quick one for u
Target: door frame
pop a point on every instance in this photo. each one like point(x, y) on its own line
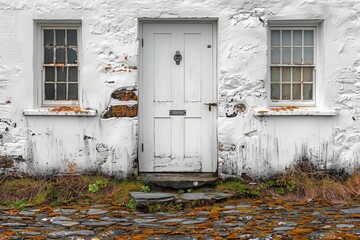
point(214, 22)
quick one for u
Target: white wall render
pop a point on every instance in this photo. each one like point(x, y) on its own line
point(252, 137)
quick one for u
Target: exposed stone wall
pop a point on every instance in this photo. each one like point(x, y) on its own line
point(109, 62)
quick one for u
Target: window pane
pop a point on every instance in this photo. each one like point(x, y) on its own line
point(60, 37)
point(275, 74)
point(48, 38)
point(72, 55)
point(275, 55)
point(297, 35)
point(49, 92)
point(71, 37)
point(308, 55)
point(286, 74)
point(309, 38)
point(275, 91)
point(275, 38)
point(286, 92)
point(286, 55)
point(73, 91)
point(60, 55)
point(296, 74)
point(49, 74)
point(308, 74)
point(296, 91)
point(297, 55)
point(61, 74)
point(286, 38)
point(73, 74)
point(48, 55)
point(61, 91)
point(308, 89)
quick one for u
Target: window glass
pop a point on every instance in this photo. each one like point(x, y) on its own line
point(308, 74)
point(275, 55)
point(286, 38)
point(292, 64)
point(297, 38)
point(286, 74)
point(275, 38)
point(61, 91)
point(286, 92)
point(297, 55)
point(296, 74)
point(48, 38)
point(60, 64)
point(275, 74)
point(275, 91)
point(309, 38)
point(60, 37)
point(309, 55)
point(308, 90)
point(71, 37)
point(297, 91)
point(49, 74)
point(286, 55)
point(49, 91)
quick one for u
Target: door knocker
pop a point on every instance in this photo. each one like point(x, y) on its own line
point(177, 57)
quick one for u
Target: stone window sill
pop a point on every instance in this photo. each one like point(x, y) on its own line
point(293, 111)
point(61, 111)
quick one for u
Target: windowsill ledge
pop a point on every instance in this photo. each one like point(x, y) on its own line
point(61, 111)
point(293, 111)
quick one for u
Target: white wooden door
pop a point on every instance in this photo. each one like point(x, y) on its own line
point(183, 140)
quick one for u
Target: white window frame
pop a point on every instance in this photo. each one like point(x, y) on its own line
point(39, 75)
point(296, 25)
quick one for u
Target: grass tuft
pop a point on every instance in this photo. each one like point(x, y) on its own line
point(71, 189)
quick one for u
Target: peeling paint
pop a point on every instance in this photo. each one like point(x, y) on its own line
point(125, 94)
point(248, 144)
point(121, 111)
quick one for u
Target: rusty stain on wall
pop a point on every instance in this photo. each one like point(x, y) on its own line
point(121, 111)
point(125, 94)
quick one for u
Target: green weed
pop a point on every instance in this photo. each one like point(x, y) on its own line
point(145, 188)
point(20, 205)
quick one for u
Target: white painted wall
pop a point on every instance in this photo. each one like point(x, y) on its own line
point(258, 146)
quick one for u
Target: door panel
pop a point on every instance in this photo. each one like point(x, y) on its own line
point(181, 143)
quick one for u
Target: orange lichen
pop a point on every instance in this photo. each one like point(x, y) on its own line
point(139, 237)
point(233, 236)
point(148, 231)
point(191, 214)
point(13, 211)
point(46, 209)
point(288, 108)
point(297, 231)
point(172, 224)
point(67, 109)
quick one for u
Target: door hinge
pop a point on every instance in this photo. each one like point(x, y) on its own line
point(142, 147)
point(142, 42)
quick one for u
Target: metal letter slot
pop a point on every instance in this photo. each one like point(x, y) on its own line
point(177, 112)
point(177, 57)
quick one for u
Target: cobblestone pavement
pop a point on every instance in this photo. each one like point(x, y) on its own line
point(235, 219)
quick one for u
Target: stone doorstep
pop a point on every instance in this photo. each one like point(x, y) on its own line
point(179, 180)
point(142, 198)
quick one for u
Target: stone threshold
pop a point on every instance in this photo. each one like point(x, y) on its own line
point(179, 180)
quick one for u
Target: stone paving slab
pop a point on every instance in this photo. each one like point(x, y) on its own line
point(238, 219)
